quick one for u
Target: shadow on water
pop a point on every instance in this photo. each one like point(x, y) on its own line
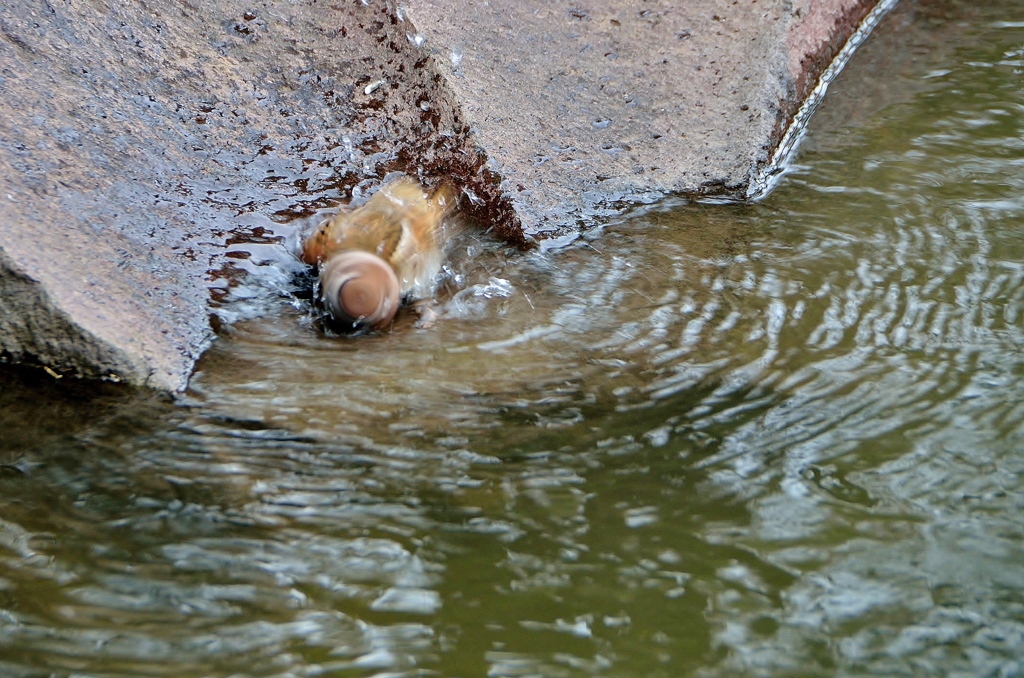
point(769, 439)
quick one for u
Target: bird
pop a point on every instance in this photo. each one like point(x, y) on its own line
point(388, 251)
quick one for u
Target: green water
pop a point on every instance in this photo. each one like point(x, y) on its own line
point(781, 439)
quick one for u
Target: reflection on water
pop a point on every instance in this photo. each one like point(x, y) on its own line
point(773, 439)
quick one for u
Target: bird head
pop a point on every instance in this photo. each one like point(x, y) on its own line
point(359, 289)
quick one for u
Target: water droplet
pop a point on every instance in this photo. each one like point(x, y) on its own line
point(495, 287)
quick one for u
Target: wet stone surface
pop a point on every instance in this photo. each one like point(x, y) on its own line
point(139, 143)
point(149, 153)
point(586, 108)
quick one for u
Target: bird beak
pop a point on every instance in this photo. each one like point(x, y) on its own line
point(359, 289)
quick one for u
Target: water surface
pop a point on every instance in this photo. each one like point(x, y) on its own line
point(714, 440)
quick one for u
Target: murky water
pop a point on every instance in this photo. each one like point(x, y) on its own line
point(713, 440)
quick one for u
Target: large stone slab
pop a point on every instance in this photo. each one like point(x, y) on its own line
point(141, 142)
point(584, 106)
point(148, 149)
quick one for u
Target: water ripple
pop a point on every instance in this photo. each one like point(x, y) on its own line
point(726, 440)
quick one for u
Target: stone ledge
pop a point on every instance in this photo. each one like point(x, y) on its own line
point(142, 147)
point(586, 107)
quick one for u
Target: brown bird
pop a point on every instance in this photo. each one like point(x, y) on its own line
point(377, 255)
